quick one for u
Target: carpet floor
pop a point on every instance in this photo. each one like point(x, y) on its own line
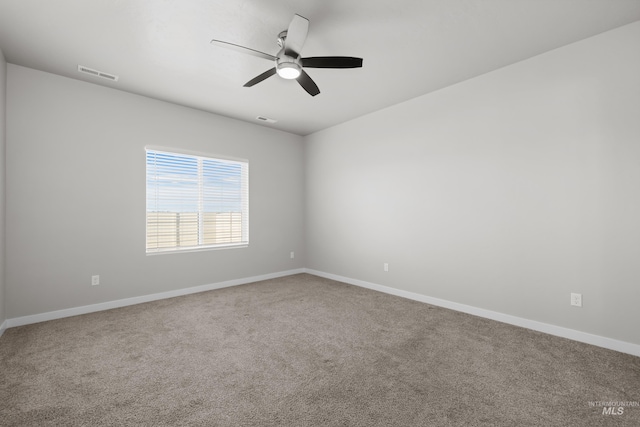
point(305, 351)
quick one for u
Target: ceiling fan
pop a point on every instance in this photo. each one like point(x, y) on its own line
point(289, 65)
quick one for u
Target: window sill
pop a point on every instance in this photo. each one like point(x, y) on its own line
point(198, 249)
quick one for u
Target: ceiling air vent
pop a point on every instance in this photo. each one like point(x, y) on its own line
point(97, 73)
point(265, 119)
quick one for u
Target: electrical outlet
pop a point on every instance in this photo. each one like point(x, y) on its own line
point(576, 299)
point(293, 255)
point(95, 280)
point(385, 266)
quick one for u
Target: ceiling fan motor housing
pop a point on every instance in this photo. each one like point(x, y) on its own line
point(287, 66)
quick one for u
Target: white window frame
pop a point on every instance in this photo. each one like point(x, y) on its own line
point(202, 197)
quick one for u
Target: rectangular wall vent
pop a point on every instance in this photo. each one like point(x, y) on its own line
point(265, 119)
point(97, 73)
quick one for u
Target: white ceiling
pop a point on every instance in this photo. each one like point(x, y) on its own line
point(161, 49)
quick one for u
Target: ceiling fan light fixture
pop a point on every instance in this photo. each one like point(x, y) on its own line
point(288, 70)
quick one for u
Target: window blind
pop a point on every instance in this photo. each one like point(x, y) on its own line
point(195, 202)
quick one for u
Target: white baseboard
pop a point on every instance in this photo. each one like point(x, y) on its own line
point(59, 314)
point(612, 344)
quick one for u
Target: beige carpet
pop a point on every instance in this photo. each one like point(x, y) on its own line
point(304, 351)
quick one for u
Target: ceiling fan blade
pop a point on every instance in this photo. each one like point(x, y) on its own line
point(296, 35)
point(260, 78)
point(332, 62)
point(308, 84)
point(243, 49)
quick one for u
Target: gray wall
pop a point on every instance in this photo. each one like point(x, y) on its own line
point(3, 127)
point(76, 194)
point(506, 192)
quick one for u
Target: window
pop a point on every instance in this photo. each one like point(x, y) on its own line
point(195, 202)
